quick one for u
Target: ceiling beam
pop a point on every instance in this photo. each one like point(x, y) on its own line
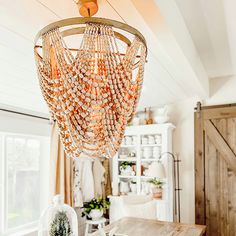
point(166, 22)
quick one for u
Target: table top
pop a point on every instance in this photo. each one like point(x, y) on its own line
point(143, 227)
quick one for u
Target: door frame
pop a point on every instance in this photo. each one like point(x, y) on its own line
point(202, 125)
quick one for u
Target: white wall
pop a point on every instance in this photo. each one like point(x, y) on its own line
point(222, 91)
point(182, 115)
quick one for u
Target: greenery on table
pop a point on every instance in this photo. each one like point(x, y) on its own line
point(95, 204)
point(158, 183)
point(60, 225)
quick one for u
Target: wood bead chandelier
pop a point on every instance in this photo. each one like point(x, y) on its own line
point(92, 91)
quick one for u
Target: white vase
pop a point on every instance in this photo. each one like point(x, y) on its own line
point(96, 214)
point(161, 119)
point(133, 188)
point(127, 171)
point(124, 187)
point(162, 115)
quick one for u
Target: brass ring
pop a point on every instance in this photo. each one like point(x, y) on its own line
point(84, 20)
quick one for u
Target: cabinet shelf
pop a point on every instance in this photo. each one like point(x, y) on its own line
point(127, 176)
point(128, 146)
point(151, 145)
point(128, 159)
point(149, 159)
point(146, 177)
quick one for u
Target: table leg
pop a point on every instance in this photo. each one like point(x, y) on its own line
point(86, 230)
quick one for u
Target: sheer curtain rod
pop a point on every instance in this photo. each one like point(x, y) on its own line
point(24, 114)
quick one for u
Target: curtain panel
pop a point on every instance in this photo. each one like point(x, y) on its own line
point(61, 169)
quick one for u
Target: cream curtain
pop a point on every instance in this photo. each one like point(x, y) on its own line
point(62, 171)
point(107, 191)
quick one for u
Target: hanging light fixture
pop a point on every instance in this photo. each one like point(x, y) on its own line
point(92, 91)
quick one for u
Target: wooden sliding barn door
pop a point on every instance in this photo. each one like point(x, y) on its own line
point(215, 169)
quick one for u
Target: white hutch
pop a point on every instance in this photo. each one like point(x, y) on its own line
point(141, 146)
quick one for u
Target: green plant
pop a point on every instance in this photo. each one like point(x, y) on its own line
point(125, 164)
point(96, 203)
point(60, 225)
point(158, 183)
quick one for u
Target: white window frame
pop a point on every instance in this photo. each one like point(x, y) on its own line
point(32, 226)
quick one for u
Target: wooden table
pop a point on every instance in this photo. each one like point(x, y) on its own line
point(143, 227)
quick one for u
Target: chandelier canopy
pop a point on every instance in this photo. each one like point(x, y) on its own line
point(92, 91)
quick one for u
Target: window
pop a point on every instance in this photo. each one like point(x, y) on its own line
point(24, 163)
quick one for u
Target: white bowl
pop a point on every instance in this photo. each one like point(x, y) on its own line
point(96, 214)
point(161, 119)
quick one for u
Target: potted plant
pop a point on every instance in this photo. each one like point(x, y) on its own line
point(157, 188)
point(126, 168)
point(94, 209)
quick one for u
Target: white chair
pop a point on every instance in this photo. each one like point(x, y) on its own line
point(89, 225)
point(133, 206)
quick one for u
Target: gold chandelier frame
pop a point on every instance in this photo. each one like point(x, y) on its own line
point(85, 20)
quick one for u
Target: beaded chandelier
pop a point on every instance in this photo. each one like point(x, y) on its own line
point(92, 91)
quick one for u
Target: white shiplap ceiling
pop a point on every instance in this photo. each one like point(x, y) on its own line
point(207, 24)
point(177, 68)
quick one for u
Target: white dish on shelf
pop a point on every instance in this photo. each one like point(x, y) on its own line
point(158, 139)
point(161, 119)
point(144, 140)
point(151, 139)
point(147, 152)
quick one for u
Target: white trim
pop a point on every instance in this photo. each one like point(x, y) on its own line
point(2, 183)
point(21, 231)
point(5, 189)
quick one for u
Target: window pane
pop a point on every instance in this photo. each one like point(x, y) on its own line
point(23, 180)
point(1, 184)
